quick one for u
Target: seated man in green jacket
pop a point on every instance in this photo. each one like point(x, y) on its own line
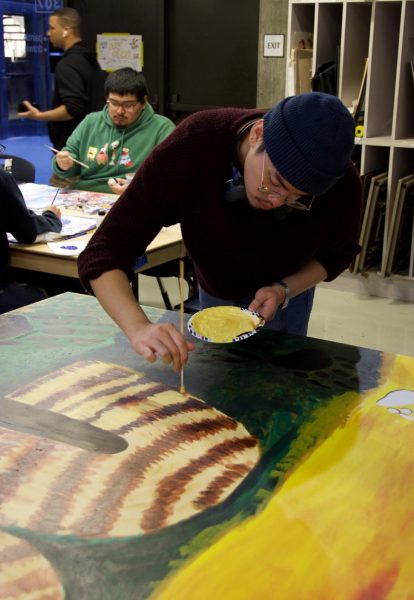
point(114, 142)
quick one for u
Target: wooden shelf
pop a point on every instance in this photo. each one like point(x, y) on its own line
point(380, 32)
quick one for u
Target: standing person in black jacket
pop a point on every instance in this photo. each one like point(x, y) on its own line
point(25, 226)
point(78, 80)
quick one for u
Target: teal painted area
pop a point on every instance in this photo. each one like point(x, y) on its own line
point(51, 334)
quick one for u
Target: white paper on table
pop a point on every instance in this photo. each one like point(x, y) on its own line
point(67, 247)
point(76, 226)
point(39, 196)
point(71, 226)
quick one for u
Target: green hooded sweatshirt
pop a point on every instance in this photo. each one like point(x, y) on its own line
point(110, 151)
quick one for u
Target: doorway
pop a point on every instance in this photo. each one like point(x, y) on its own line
point(24, 66)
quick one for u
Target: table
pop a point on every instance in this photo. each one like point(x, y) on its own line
point(284, 472)
point(39, 257)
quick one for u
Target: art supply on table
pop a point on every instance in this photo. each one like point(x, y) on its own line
point(89, 202)
point(100, 217)
point(55, 196)
point(75, 160)
point(68, 248)
point(181, 281)
point(225, 324)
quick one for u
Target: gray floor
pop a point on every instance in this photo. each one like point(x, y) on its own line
point(368, 321)
point(340, 316)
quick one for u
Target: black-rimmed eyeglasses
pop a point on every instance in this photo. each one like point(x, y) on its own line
point(298, 202)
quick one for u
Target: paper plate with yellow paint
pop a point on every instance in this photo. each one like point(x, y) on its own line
point(225, 324)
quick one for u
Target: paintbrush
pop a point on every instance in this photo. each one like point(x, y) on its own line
point(54, 197)
point(181, 279)
point(75, 160)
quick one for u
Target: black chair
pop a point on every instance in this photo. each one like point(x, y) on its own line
point(172, 269)
point(22, 170)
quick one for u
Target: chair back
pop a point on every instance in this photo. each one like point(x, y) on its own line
point(22, 170)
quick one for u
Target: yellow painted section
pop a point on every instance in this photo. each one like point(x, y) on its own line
point(340, 528)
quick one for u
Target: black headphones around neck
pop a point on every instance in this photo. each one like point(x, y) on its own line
point(234, 189)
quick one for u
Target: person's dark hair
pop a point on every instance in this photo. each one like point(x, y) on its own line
point(69, 17)
point(126, 81)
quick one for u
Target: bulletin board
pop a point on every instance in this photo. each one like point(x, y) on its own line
point(118, 50)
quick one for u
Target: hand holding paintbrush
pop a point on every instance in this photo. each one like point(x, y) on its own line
point(65, 160)
point(54, 209)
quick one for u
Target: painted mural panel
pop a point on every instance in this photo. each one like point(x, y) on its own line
point(283, 472)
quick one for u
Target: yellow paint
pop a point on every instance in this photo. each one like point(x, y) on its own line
point(341, 527)
point(224, 323)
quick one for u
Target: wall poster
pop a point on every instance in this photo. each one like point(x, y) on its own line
point(118, 50)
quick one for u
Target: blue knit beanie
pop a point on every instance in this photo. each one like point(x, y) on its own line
point(309, 139)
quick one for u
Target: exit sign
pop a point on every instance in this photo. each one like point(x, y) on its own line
point(273, 45)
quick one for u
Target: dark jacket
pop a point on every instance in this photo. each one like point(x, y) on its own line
point(18, 220)
point(79, 83)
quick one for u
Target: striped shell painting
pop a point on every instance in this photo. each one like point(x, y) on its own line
point(25, 574)
point(159, 456)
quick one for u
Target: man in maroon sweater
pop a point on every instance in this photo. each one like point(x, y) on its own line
point(269, 206)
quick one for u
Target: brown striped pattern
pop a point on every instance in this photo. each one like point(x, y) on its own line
point(183, 456)
point(25, 574)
